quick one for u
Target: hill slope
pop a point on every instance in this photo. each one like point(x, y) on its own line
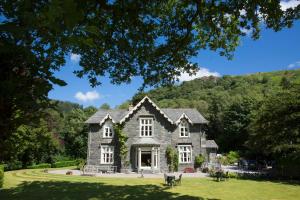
point(227, 102)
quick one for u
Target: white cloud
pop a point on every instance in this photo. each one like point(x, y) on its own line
point(201, 73)
point(294, 65)
point(75, 57)
point(289, 4)
point(88, 96)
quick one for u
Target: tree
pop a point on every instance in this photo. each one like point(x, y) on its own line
point(152, 39)
point(276, 127)
point(75, 133)
point(24, 87)
point(105, 106)
point(236, 121)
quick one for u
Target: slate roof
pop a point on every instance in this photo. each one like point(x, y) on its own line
point(116, 115)
point(173, 115)
point(210, 144)
point(192, 114)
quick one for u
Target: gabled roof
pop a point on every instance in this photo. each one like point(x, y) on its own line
point(101, 115)
point(139, 105)
point(174, 116)
point(178, 113)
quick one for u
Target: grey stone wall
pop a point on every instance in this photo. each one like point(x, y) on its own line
point(164, 132)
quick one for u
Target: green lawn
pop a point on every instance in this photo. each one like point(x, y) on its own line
point(35, 184)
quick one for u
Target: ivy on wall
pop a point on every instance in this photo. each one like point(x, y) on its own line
point(172, 159)
point(121, 140)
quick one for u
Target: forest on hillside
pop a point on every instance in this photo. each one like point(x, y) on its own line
point(257, 115)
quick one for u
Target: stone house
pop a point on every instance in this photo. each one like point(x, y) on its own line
point(150, 130)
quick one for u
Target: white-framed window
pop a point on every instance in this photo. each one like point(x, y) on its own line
point(184, 129)
point(107, 154)
point(107, 131)
point(185, 153)
point(146, 127)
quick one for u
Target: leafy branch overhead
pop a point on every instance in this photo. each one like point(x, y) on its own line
point(151, 39)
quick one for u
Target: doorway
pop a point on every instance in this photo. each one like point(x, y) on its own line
point(146, 159)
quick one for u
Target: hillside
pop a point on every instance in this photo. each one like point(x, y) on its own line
point(227, 102)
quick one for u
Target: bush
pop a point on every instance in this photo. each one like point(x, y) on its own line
point(233, 157)
point(65, 163)
point(14, 165)
point(205, 170)
point(199, 160)
point(59, 158)
point(188, 170)
point(1, 175)
point(40, 166)
point(81, 163)
point(233, 175)
point(230, 158)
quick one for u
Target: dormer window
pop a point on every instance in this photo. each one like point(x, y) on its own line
point(107, 131)
point(184, 129)
point(146, 127)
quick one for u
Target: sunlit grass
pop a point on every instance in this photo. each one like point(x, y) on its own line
point(35, 184)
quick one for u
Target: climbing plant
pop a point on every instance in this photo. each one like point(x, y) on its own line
point(121, 140)
point(172, 159)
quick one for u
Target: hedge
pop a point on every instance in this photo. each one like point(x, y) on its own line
point(40, 166)
point(65, 163)
point(14, 165)
point(1, 175)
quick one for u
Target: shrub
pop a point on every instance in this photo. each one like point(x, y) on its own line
point(233, 175)
point(230, 158)
point(188, 170)
point(199, 160)
point(65, 163)
point(40, 166)
point(172, 159)
point(1, 175)
point(81, 163)
point(13, 165)
point(205, 170)
point(233, 157)
point(59, 158)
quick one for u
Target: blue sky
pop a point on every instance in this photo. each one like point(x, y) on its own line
point(273, 51)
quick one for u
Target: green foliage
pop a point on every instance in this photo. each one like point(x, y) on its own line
point(65, 163)
point(121, 139)
point(75, 132)
point(233, 175)
point(275, 129)
point(230, 158)
point(228, 102)
point(12, 165)
point(172, 159)
point(105, 106)
point(1, 175)
point(40, 166)
point(81, 164)
point(157, 44)
point(199, 160)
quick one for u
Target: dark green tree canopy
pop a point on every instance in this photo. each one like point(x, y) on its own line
point(151, 39)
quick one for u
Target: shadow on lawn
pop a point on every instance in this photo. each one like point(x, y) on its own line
point(72, 190)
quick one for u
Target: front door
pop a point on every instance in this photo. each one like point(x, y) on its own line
point(147, 158)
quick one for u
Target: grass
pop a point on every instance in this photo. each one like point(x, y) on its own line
point(35, 184)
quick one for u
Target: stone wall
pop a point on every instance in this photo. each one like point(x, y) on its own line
point(164, 132)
